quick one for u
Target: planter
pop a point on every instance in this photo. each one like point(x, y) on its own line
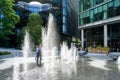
point(105, 50)
point(89, 50)
point(98, 50)
point(94, 50)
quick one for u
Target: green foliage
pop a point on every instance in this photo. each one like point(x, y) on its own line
point(20, 37)
point(4, 53)
point(99, 47)
point(90, 47)
point(34, 27)
point(9, 20)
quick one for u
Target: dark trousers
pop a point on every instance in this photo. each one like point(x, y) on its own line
point(38, 56)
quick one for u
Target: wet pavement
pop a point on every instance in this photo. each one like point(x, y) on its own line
point(93, 66)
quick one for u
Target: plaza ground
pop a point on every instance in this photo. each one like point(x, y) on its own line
point(92, 66)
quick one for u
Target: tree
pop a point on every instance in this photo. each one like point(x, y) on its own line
point(34, 27)
point(8, 20)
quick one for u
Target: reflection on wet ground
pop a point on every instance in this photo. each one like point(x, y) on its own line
point(90, 67)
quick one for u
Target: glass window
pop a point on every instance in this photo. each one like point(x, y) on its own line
point(64, 20)
point(87, 20)
point(105, 7)
point(100, 16)
point(95, 10)
point(105, 15)
point(80, 6)
point(96, 2)
point(81, 16)
point(91, 13)
point(117, 11)
point(81, 21)
point(110, 12)
point(116, 3)
point(86, 4)
point(64, 28)
point(92, 2)
point(64, 11)
point(110, 4)
point(64, 3)
point(87, 13)
point(100, 9)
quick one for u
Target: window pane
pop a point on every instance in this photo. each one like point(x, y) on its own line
point(100, 9)
point(95, 10)
point(64, 11)
point(81, 21)
point(110, 4)
point(92, 2)
point(64, 28)
point(64, 3)
point(81, 16)
point(80, 6)
point(91, 14)
point(87, 13)
point(64, 20)
point(116, 3)
point(105, 7)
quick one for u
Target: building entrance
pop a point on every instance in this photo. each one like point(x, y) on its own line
point(114, 37)
point(94, 37)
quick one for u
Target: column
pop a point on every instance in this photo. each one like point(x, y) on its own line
point(105, 35)
point(82, 38)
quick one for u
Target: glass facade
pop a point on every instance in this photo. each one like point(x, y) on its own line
point(100, 21)
point(70, 17)
point(94, 36)
point(96, 10)
point(64, 28)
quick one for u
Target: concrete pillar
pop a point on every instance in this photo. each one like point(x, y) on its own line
point(82, 38)
point(105, 35)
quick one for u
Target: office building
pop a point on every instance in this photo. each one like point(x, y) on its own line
point(99, 23)
point(70, 17)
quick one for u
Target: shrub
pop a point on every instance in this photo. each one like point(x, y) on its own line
point(4, 53)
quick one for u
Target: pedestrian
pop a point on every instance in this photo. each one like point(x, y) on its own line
point(38, 54)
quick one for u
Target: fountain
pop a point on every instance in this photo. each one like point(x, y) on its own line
point(68, 55)
point(51, 53)
point(26, 52)
point(51, 44)
point(16, 69)
point(50, 38)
